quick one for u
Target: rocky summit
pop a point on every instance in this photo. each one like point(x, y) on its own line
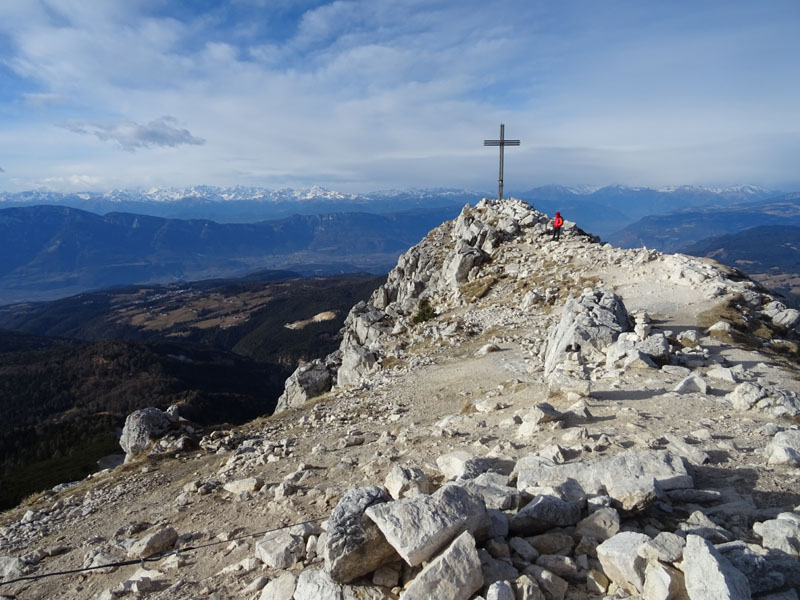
point(508, 417)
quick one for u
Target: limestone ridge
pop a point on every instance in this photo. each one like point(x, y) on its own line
point(576, 422)
point(440, 269)
point(491, 242)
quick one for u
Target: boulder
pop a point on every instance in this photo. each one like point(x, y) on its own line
point(781, 534)
point(629, 478)
point(306, 382)
point(784, 448)
point(665, 547)
point(155, 542)
point(500, 590)
point(280, 549)
point(240, 486)
point(545, 512)
point(600, 525)
point(281, 588)
point(141, 427)
point(745, 395)
point(354, 545)
point(460, 261)
point(663, 582)
point(692, 384)
point(10, 567)
point(526, 588)
point(357, 361)
point(315, 584)
point(711, 576)
point(419, 527)
point(621, 561)
point(765, 570)
point(453, 575)
point(406, 482)
point(591, 322)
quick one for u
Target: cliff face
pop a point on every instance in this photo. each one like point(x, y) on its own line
point(571, 420)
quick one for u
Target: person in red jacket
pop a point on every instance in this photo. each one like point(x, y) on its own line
point(558, 222)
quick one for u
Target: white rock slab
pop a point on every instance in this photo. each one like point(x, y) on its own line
point(454, 575)
point(419, 527)
point(621, 561)
point(711, 576)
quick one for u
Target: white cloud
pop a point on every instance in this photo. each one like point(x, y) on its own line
point(398, 94)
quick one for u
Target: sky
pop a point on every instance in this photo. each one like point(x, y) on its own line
point(366, 95)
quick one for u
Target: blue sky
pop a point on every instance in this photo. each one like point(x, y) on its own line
point(360, 95)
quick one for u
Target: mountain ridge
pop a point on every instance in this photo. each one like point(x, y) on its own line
point(569, 420)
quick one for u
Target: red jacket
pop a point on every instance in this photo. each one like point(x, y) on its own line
point(558, 221)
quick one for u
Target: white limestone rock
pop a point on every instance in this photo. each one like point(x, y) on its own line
point(745, 395)
point(663, 582)
point(357, 361)
point(315, 584)
point(692, 384)
point(158, 541)
point(621, 561)
point(592, 322)
point(354, 545)
point(248, 484)
point(281, 588)
point(545, 512)
point(629, 478)
point(781, 534)
point(453, 575)
point(418, 527)
point(711, 576)
point(307, 381)
point(404, 482)
point(784, 448)
point(141, 428)
point(600, 525)
point(280, 549)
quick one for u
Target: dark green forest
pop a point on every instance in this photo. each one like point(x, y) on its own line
point(72, 371)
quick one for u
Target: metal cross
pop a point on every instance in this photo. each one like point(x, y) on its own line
point(502, 142)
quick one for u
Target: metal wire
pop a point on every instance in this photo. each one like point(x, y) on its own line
point(155, 556)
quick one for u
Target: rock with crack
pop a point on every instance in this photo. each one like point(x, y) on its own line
point(408, 482)
point(631, 478)
point(621, 561)
point(461, 260)
point(543, 513)
point(308, 381)
point(357, 361)
point(280, 549)
point(419, 527)
point(711, 576)
point(782, 534)
point(354, 545)
point(453, 575)
point(591, 322)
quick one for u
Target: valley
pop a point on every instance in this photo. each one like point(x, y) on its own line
point(72, 370)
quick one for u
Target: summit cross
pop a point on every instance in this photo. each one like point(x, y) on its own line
point(502, 142)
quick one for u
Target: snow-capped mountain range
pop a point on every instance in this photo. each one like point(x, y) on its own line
point(599, 210)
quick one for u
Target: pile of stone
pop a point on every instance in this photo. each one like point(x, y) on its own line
point(539, 530)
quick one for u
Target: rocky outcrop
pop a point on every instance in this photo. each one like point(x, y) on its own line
point(588, 325)
point(308, 381)
point(142, 427)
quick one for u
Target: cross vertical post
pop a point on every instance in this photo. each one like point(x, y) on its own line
point(502, 142)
